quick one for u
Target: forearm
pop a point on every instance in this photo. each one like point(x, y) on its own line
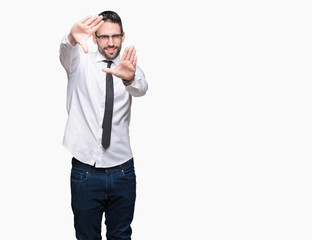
point(128, 82)
point(69, 54)
point(138, 87)
point(71, 39)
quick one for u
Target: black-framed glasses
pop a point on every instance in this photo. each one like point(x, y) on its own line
point(105, 38)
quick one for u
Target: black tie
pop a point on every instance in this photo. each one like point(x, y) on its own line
point(108, 114)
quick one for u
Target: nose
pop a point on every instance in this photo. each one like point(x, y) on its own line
point(110, 41)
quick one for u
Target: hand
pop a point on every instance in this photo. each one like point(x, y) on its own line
point(83, 29)
point(127, 66)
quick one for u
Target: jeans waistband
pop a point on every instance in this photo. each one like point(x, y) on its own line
point(83, 166)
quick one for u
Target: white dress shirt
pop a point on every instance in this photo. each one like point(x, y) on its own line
point(86, 105)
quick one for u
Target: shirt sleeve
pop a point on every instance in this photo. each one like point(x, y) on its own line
point(69, 55)
point(139, 87)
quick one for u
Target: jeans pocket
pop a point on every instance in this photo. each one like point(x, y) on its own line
point(78, 175)
point(128, 173)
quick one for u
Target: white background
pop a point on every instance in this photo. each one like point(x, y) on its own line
point(222, 140)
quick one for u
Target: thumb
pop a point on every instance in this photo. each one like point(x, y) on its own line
point(107, 70)
point(84, 47)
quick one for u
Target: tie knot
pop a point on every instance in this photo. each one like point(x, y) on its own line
point(109, 63)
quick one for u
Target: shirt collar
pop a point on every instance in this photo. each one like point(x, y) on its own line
point(100, 58)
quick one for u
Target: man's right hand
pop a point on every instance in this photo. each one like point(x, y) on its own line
point(83, 29)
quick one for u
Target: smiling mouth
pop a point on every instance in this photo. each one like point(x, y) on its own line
point(110, 50)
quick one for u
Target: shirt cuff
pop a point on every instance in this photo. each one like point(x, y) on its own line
point(67, 42)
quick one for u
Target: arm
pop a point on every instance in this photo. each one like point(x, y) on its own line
point(79, 33)
point(139, 86)
point(69, 55)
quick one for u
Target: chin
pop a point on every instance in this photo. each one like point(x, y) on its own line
point(107, 56)
point(110, 57)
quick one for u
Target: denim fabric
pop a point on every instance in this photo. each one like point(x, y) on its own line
point(103, 190)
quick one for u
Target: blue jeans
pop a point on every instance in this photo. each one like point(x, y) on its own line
point(96, 191)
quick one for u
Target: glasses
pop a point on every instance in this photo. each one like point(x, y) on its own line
point(105, 38)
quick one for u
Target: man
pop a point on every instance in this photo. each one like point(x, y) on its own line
point(100, 87)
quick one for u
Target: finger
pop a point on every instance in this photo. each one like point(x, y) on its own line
point(85, 19)
point(97, 26)
point(84, 46)
point(135, 61)
point(124, 55)
point(107, 70)
point(91, 20)
point(130, 53)
point(97, 21)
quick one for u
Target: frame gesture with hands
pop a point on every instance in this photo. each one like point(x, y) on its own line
point(83, 29)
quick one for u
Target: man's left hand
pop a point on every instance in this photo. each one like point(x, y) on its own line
point(127, 66)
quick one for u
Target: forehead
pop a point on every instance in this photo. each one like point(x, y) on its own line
point(109, 28)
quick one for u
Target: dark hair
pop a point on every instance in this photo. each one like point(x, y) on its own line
point(111, 16)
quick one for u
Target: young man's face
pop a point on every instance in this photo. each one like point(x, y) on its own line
point(109, 40)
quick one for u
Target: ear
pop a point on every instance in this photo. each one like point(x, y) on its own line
point(94, 38)
point(123, 37)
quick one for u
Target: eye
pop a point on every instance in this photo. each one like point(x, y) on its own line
point(116, 36)
point(104, 37)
